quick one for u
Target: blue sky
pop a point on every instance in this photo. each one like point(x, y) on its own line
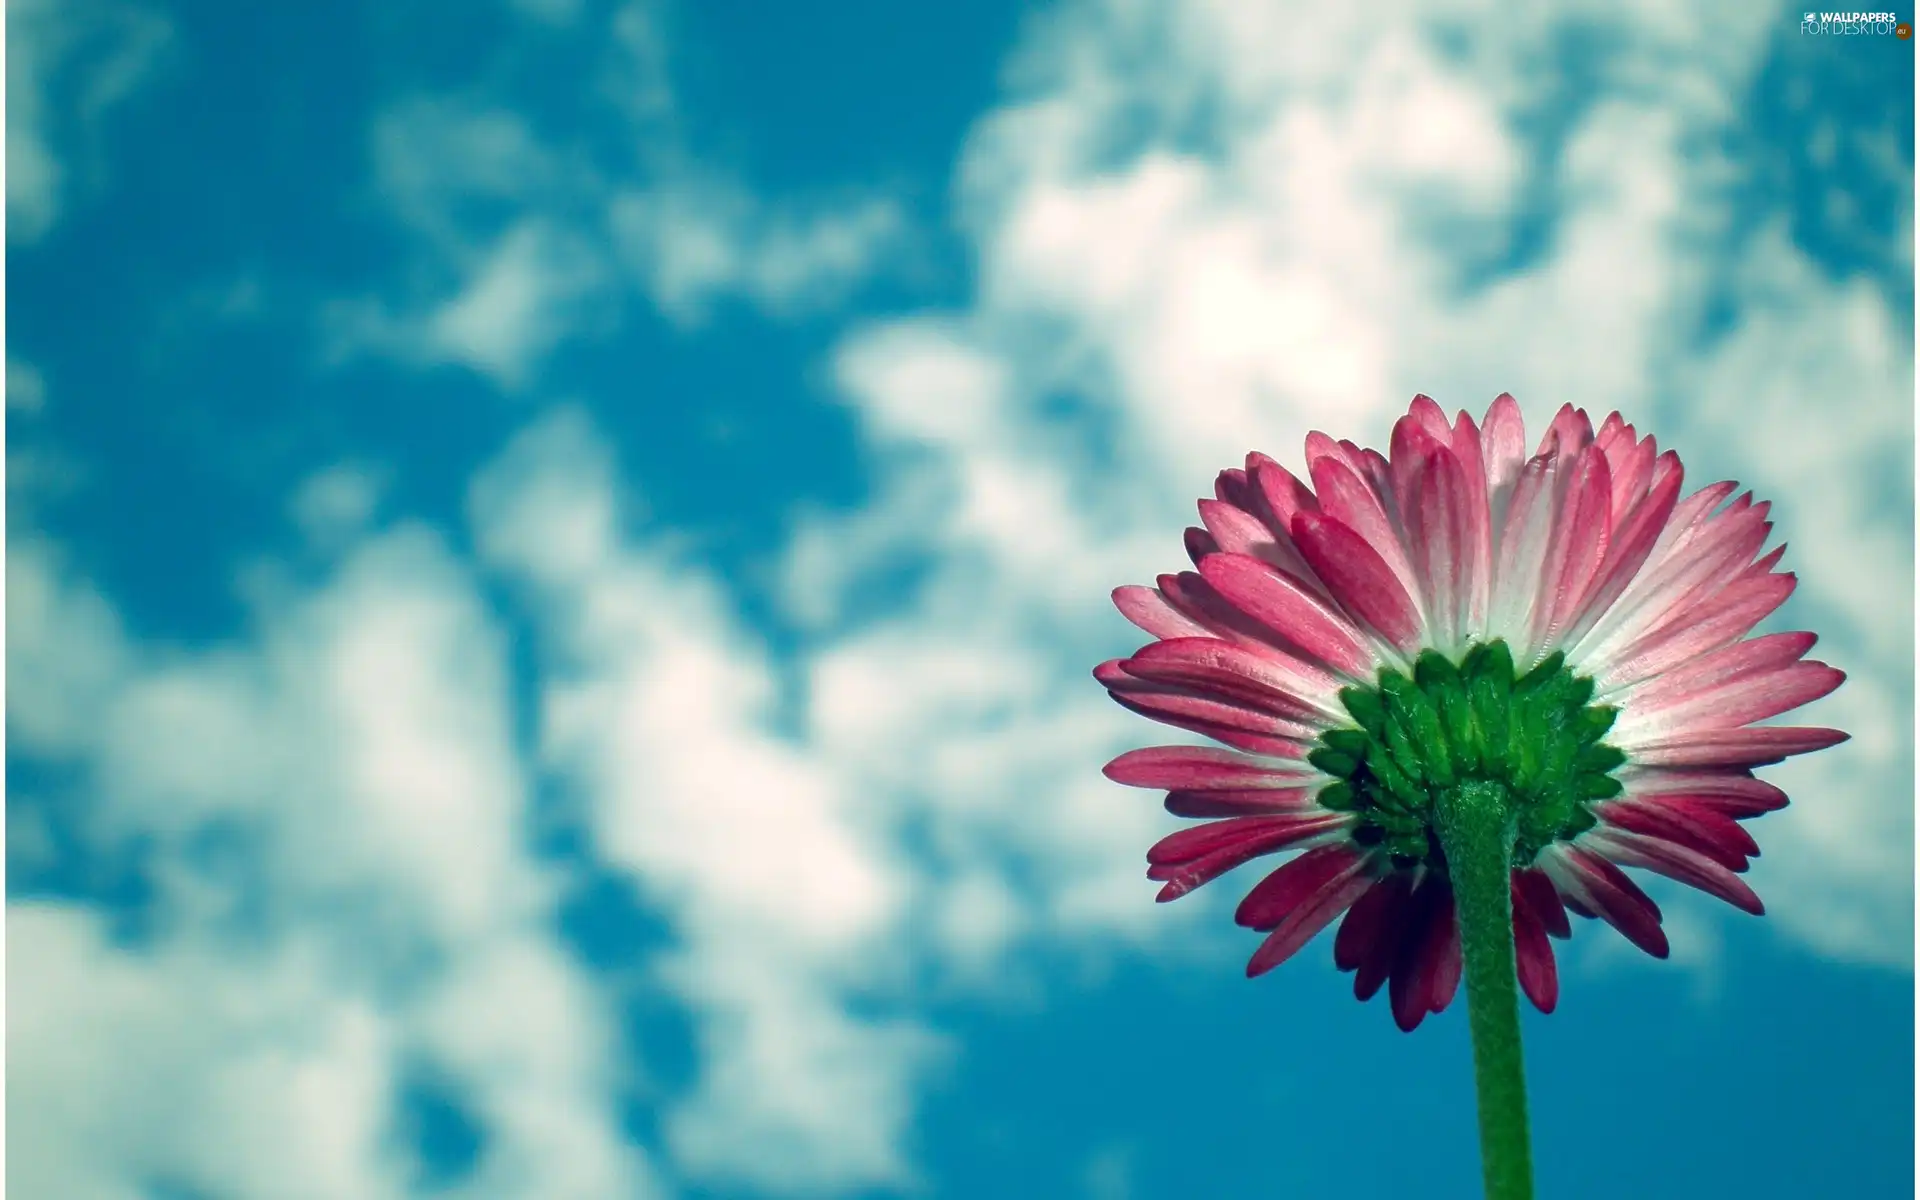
point(555, 550)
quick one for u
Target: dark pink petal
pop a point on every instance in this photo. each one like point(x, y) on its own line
point(1148, 609)
point(1466, 449)
point(1533, 953)
point(1294, 883)
point(1346, 498)
point(1358, 577)
point(1542, 900)
point(1248, 802)
point(1284, 494)
point(1700, 830)
point(1185, 860)
point(1229, 724)
point(1363, 925)
point(1301, 925)
point(1200, 543)
point(1285, 606)
point(1377, 944)
point(1595, 884)
point(1676, 862)
point(1422, 943)
point(1752, 747)
point(1734, 792)
point(1266, 678)
point(1232, 487)
point(1203, 768)
point(1441, 532)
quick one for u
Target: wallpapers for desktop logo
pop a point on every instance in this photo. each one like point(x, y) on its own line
point(1855, 24)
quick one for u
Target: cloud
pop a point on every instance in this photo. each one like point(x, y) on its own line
point(514, 227)
point(69, 63)
point(658, 714)
point(330, 816)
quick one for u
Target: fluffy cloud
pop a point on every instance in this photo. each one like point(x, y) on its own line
point(329, 815)
point(69, 62)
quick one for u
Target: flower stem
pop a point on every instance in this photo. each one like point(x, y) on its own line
point(1476, 825)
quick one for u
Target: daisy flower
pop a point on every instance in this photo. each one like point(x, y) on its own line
point(1470, 686)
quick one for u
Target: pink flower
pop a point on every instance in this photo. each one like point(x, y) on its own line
point(1566, 625)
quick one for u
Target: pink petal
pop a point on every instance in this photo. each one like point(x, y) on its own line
point(1285, 495)
point(1503, 441)
point(1543, 901)
point(1348, 500)
point(1187, 859)
point(1294, 883)
point(1582, 527)
point(1149, 610)
point(1200, 543)
point(1597, 885)
point(1430, 417)
point(1203, 768)
point(1569, 433)
point(1700, 829)
point(1676, 862)
point(1422, 944)
point(1466, 449)
point(1358, 578)
point(1635, 535)
point(1729, 784)
point(1533, 954)
point(1268, 678)
point(1283, 605)
point(1246, 802)
point(1522, 543)
point(1301, 925)
point(1714, 624)
point(1441, 529)
point(1376, 946)
point(1729, 705)
point(1752, 747)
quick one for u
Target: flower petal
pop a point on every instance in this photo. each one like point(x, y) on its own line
point(1675, 862)
point(1375, 946)
point(1699, 829)
point(1598, 886)
point(1308, 919)
point(1533, 953)
point(1294, 883)
point(1542, 901)
point(1756, 746)
point(1203, 768)
point(1422, 944)
point(1242, 802)
point(1358, 578)
point(1191, 857)
point(1267, 678)
point(1293, 612)
point(1150, 610)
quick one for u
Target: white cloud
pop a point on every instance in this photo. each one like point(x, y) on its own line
point(515, 226)
point(658, 712)
point(375, 903)
point(335, 505)
point(69, 62)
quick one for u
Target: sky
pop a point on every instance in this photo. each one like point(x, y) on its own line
point(555, 550)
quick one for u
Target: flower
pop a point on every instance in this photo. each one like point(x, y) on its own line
point(1566, 626)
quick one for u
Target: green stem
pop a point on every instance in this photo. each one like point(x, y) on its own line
point(1476, 825)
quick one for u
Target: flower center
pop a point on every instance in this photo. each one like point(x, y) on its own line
point(1535, 735)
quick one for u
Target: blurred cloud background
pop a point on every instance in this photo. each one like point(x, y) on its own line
point(555, 550)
